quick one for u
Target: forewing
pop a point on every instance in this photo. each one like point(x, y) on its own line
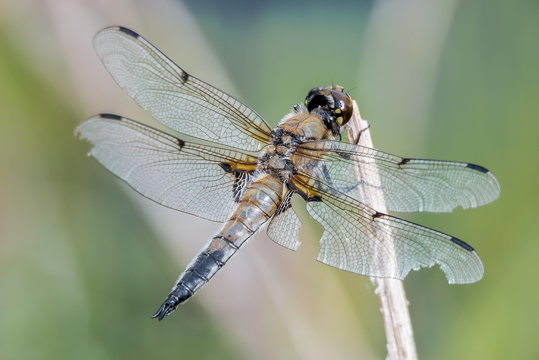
point(194, 178)
point(359, 239)
point(285, 225)
point(407, 184)
point(175, 98)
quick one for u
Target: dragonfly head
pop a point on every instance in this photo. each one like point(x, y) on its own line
point(332, 101)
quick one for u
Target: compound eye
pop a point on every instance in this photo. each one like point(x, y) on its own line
point(343, 108)
point(317, 101)
point(318, 97)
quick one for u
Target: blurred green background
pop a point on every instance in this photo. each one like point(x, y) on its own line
point(84, 261)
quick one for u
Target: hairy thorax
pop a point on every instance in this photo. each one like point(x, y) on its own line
point(296, 128)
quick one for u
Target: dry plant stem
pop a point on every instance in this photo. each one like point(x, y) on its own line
point(394, 305)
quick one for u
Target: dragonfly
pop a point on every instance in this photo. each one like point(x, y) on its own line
point(232, 167)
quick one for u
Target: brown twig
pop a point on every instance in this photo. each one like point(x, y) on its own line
point(394, 305)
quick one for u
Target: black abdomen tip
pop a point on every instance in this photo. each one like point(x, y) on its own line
point(167, 307)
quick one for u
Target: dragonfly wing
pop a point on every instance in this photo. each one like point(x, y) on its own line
point(198, 179)
point(285, 224)
point(408, 185)
point(362, 240)
point(175, 98)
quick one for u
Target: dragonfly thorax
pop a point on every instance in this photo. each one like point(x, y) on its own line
point(275, 159)
point(295, 128)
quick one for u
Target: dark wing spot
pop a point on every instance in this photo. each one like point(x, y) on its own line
point(128, 32)
point(184, 76)
point(477, 167)
point(226, 167)
point(461, 243)
point(377, 215)
point(110, 116)
point(181, 143)
point(404, 161)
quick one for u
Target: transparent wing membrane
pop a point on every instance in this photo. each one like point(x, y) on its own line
point(407, 184)
point(175, 98)
point(285, 225)
point(182, 175)
point(359, 239)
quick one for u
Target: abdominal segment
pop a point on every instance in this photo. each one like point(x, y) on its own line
point(257, 206)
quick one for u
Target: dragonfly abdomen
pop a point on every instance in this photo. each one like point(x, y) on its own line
point(257, 206)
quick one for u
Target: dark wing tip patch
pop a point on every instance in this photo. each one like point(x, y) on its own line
point(462, 244)
point(128, 32)
point(477, 167)
point(110, 116)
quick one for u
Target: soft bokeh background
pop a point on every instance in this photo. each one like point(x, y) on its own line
point(84, 261)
